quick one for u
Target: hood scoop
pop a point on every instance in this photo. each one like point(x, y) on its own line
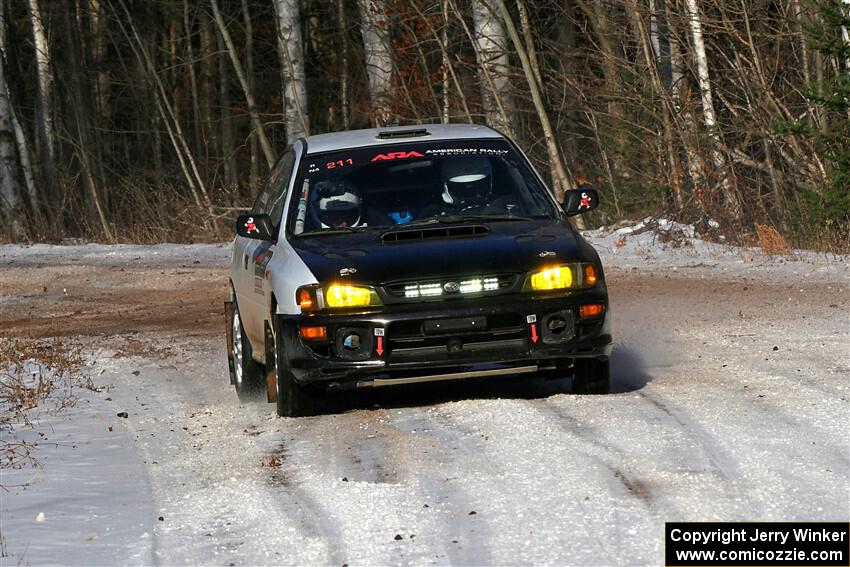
point(435, 232)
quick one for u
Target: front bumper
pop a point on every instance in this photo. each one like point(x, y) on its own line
point(446, 337)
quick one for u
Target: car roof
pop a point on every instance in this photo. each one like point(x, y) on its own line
point(395, 134)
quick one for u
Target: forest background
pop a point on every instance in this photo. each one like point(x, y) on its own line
point(157, 120)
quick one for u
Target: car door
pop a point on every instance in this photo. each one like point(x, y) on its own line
point(257, 254)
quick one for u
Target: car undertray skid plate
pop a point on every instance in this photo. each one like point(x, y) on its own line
point(378, 382)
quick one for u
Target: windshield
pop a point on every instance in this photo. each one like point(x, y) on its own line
point(419, 183)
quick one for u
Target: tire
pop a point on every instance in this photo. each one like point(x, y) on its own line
point(591, 376)
point(246, 375)
point(293, 400)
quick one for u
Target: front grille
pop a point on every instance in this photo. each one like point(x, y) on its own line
point(412, 340)
point(451, 288)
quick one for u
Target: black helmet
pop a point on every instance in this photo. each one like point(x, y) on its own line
point(339, 203)
point(467, 180)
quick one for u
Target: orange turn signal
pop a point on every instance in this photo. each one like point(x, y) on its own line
point(591, 310)
point(314, 333)
point(306, 299)
point(589, 275)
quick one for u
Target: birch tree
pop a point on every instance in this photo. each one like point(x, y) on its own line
point(291, 55)
point(44, 94)
point(379, 63)
point(729, 196)
point(491, 53)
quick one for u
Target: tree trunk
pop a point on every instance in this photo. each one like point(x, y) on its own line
point(9, 184)
point(81, 103)
point(178, 140)
point(228, 154)
point(560, 179)
point(254, 170)
point(290, 49)
point(444, 52)
point(44, 96)
point(199, 146)
point(492, 55)
point(206, 88)
point(379, 63)
point(727, 186)
point(342, 20)
point(259, 130)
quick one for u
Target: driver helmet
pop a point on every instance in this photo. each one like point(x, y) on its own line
point(467, 180)
point(339, 205)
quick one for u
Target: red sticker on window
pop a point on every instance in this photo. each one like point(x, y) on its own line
point(397, 155)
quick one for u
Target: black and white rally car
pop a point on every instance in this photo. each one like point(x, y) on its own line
point(399, 255)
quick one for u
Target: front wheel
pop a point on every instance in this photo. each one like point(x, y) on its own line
point(293, 400)
point(591, 376)
point(245, 374)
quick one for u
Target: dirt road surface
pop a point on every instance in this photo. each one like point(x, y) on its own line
point(729, 402)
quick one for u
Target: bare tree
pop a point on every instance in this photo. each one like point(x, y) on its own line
point(259, 130)
point(727, 186)
point(291, 55)
point(9, 186)
point(379, 62)
point(560, 178)
point(492, 55)
point(44, 96)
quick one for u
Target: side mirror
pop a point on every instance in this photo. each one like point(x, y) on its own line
point(579, 201)
point(257, 227)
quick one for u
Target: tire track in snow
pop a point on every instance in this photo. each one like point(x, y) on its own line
point(465, 537)
point(598, 445)
point(535, 496)
point(723, 465)
point(379, 482)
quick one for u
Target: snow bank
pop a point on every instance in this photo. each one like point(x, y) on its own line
point(661, 244)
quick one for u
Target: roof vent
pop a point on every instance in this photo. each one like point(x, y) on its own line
point(392, 134)
point(436, 232)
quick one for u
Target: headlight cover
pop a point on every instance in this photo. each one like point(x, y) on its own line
point(340, 296)
point(565, 276)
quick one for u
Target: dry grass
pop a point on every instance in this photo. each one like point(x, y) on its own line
point(34, 376)
point(770, 241)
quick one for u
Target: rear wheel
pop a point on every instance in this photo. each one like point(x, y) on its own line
point(247, 376)
point(293, 400)
point(591, 376)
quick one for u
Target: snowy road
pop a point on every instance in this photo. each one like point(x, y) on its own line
point(730, 402)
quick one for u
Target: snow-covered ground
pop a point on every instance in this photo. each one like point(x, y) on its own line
point(731, 381)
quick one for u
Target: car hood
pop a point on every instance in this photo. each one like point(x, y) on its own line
point(507, 247)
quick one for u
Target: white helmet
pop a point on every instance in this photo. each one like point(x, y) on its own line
point(467, 180)
point(339, 204)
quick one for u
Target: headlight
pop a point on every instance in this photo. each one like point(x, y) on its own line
point(340, 295)
point(559, 277)
point(569, 276)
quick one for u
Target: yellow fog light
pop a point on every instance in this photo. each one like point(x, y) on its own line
point(350, 296)
point(560, 277)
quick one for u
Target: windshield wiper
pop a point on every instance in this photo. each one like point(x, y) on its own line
point(453, 219)
point(337, 230)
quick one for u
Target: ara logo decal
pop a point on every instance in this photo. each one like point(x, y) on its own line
point(584, 203)
point(397, 155)
point(251, 226)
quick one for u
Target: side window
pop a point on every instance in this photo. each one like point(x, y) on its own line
point(271, 199)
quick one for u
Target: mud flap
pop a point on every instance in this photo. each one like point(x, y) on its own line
point(228, 316)
point(271, 371)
